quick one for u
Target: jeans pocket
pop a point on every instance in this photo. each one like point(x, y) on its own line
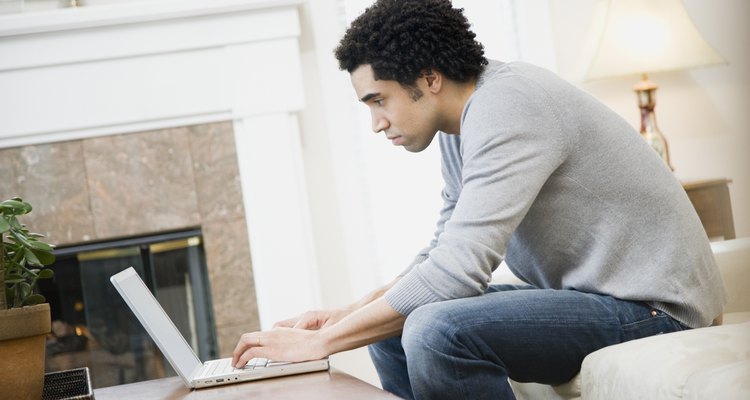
point(655, 323)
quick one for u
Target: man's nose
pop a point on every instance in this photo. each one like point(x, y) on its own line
point(379, 124)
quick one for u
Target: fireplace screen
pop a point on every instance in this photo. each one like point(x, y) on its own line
point(93, 327)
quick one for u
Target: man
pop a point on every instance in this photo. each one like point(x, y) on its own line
point(537, 173)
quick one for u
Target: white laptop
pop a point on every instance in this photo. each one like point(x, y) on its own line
point(182, 357)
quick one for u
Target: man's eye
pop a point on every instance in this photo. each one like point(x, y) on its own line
point(379, 102)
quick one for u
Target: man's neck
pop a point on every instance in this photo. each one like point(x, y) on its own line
point(454, 99)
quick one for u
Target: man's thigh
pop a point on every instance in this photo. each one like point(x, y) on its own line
point(541, 335)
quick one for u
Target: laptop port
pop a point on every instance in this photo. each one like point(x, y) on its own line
point(220, 380)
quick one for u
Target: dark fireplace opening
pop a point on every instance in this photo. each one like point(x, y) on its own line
point(93, 327)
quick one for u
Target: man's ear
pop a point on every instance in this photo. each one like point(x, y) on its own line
point(433, 79)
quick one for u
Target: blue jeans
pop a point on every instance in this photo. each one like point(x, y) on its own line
point(468, 348)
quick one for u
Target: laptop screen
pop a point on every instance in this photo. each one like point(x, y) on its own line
point(156, 322)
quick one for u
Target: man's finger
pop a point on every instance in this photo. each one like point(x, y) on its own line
point(248, 355)
point(246, 342)
point(287, 323)
point(304, 323)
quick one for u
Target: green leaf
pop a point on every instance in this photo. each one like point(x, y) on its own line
point(19, 239)
point(44, 257)
point(14, 276)
point(31, 258)
point(16, 206)
point(35, 299)
point(12, 204)
point(14, 223)
point(4, 225)
point(40, 245)
point(25, 289)
point(46, 274)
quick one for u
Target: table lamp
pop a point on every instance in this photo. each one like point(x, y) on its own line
point(641, 37)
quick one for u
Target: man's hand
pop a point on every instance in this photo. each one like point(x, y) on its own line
point(318, 334)
point(314, 320)
point(284, 344)
point(288, 340)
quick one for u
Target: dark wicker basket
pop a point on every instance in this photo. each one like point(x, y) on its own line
point(72, 384)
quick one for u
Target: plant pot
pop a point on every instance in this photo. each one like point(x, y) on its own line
point(22, 339)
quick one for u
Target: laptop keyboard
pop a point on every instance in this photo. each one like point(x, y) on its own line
point(256, 363)
point(224, 366)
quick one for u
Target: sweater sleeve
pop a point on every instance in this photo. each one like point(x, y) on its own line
point(511, 143)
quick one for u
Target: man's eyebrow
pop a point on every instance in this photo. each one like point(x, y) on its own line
point(369, 97)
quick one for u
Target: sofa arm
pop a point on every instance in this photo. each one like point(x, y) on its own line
point(681, 365)
point(733, 259)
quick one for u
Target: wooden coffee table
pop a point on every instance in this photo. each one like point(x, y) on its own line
point(328, 385)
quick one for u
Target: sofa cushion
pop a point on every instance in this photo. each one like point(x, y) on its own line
point(536, 391)
point(669, 366)
point(729, 380)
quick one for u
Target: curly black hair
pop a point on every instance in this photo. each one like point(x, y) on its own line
point(402, 38)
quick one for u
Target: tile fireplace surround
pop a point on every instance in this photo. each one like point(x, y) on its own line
point(143, 183)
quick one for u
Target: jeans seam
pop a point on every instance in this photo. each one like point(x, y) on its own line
point(451, 336)
point(641, 322)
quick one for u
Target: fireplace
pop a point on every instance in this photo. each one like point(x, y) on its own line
point(94, 328)
point(147, 184)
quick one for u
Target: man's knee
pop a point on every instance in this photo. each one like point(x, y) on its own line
point(427, 326)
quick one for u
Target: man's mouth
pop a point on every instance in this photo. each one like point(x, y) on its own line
point(396, 140)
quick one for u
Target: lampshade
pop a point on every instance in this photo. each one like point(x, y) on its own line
point(644, 36)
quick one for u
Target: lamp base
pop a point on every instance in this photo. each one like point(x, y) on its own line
point(646, 92)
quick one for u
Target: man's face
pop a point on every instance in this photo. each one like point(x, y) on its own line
point(405, 121)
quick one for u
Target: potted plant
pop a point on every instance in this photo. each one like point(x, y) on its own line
point(24, 315)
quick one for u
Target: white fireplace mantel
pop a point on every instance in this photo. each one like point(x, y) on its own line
point(78, 73)
point(73, 73)
point(126, 13)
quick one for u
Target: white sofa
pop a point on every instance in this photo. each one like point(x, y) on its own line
point(706, 363)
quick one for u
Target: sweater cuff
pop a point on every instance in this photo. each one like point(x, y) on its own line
point(409, 293)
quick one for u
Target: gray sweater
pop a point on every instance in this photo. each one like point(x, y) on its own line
point(553, 182)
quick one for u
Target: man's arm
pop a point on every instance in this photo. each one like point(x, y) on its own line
point(374, 295)
point(317, 319)
point(373, 322)
point(318, 334)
